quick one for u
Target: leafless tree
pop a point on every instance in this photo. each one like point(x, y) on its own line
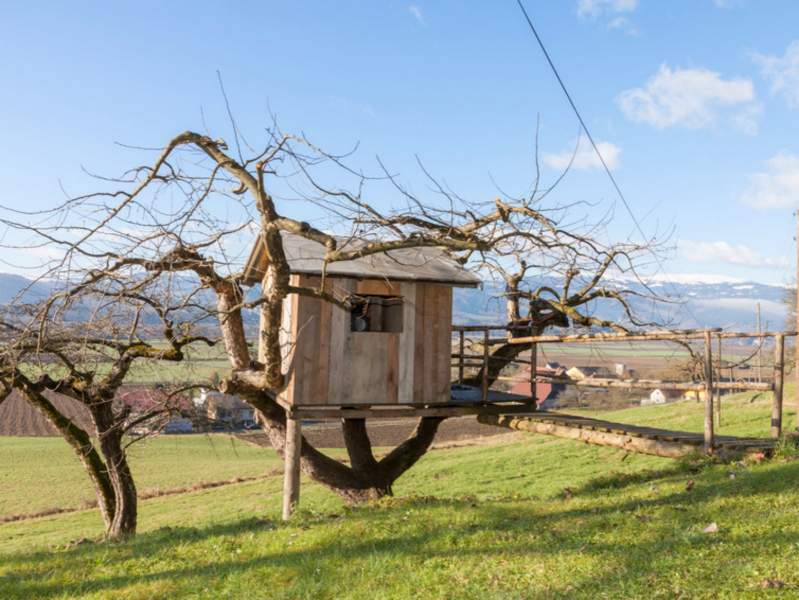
point(173, 229)
point(53, 348)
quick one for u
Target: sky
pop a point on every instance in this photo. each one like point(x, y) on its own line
point(694, 103)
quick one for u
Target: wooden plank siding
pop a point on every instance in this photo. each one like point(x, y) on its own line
point(334, 366)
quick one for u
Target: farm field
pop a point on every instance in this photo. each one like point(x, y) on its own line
point(514, 516)
point(43, 473)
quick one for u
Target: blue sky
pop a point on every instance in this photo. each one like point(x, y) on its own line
point(695, 102)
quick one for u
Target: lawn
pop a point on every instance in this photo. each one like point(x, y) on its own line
point(523, 516)
point(43, 473)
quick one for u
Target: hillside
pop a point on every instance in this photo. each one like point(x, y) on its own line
point(690, 303)
point(521, 516)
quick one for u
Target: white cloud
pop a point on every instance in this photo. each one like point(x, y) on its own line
point(777, 186)
point(584, 157)
point(417, 14)
point(723, 252)
point(595, 8)
point(693, 98)
point(782, 72)
point(623, 24)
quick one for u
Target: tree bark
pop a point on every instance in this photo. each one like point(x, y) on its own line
point(123, 523)
point(365, 478)
point(81, 443)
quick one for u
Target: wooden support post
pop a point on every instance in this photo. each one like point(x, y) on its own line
point(486, 357)
point(718, 391)
point(461, 350)
point(534, 375)
point(760, 347)
point(709, 438)
point(779, 370)
point(291, 462)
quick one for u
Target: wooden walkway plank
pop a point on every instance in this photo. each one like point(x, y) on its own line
point(632, 438)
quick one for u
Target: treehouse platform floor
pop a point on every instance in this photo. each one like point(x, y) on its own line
point(632, 438)
point(465, 401)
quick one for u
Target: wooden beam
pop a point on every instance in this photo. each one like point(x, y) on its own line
point(587, 338)
point(410, 412)
point(486, 361)
point(461, 356)
point(291, 469)
point(643, 384)
point(479, 328)
point(718, 391)
point(667, 335)
point(533, 374)
point(709, 441)
point(642, 445)
point(479, 357)
point(779, 376)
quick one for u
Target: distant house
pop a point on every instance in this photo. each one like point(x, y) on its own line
point(546, 392)
point(170, 415)
point(658, 396)
point(583, 372)
point(694, 395)
point(226, 410)
point(623, 371)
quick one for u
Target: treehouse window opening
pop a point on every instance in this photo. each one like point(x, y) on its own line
point(377, 313)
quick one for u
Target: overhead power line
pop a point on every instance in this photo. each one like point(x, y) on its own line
point(627, 206)
point(582, 122)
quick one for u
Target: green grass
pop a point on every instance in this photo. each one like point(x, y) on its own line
point(202, 362)
point(43, 473)
point(483, 521)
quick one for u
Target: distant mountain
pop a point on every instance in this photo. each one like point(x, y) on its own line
point(16, 287)
point(689, 303)
point(686, 304)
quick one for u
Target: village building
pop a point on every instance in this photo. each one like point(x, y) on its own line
point(226, 411)
point(584, 372)
point(546, 392)
point(660, 396)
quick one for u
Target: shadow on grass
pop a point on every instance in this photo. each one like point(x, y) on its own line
point(573, 530)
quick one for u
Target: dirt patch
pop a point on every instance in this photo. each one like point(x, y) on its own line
point(18, 417)
point(386, 433)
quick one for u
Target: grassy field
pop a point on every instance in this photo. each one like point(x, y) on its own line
point(521, 516)
point(43, 473)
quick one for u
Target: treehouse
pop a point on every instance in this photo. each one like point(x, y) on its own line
point(393, 348)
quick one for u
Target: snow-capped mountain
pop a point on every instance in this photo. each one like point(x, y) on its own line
point(690, 303)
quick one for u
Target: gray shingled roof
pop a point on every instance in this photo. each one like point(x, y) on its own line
point(407, 264)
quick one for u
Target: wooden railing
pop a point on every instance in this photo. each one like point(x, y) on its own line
point(482, 334)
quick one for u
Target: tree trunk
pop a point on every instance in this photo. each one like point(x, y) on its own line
point(123, 523)
point(365, 478)
point(501, 357)
point(81, 443)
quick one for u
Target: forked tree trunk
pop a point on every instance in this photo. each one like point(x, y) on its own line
point(123, 522)
point(366, 478)
point(81, 443)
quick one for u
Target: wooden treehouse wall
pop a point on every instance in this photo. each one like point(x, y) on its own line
point(328, 364)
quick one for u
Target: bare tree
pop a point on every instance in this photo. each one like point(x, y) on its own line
point(173, 229)
point(55, 349)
